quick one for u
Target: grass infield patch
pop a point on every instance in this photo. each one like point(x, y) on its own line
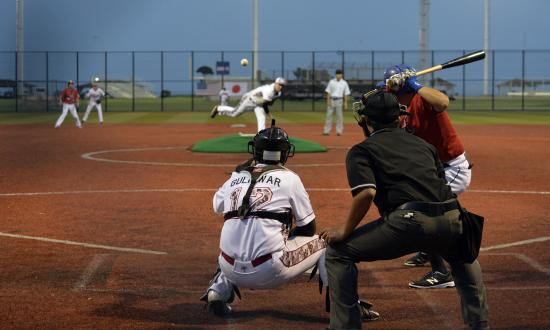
point(239, 144)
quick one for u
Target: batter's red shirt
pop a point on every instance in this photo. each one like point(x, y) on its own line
point(69, 95)
point(434, 127)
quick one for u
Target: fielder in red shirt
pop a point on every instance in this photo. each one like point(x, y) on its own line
point(70, 99)
point(429, 120)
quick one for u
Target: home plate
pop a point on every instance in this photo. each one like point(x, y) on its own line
point(237, 125)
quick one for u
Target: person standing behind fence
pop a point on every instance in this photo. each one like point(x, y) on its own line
point(337, 92)
point(70, 99)
point(224, 97)
point(94, 95)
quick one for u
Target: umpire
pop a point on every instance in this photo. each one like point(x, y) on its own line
point(402, 174)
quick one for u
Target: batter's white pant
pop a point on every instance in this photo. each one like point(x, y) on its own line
point(91, 105)
point(246, 104)
point(336, 106)
point(458, 174)
point(66, 108)
point(300, 254)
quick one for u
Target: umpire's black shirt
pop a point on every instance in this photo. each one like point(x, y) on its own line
point(400, 166)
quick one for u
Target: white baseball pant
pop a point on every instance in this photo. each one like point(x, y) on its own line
point(458, 174)
point(246, 104)
point(284, 266)
point(91, 105)
point(336, 106)
point(66, 108)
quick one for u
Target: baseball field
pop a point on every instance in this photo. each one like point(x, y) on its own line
point(112, 226)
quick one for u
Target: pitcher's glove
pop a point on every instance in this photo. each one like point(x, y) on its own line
point(98, 101)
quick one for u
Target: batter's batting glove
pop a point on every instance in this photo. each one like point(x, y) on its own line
point(412, 85)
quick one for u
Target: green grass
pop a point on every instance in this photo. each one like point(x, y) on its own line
point(202, 117)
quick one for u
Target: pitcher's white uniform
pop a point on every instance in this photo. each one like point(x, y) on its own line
point(254, 100)
point(245, 243)
point(94, 94)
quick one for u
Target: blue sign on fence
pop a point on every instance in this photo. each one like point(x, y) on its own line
point(222, 67)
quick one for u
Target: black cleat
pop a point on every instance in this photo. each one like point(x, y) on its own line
point(418, 260)
point(214, 112)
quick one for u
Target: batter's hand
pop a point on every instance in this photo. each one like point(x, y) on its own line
point(333, 234)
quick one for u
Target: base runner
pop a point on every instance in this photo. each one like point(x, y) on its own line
point(259, 247)
point(69, 99)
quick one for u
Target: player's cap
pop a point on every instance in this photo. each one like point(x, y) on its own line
point(280, 81)
point(381, 107)
point(338, 71)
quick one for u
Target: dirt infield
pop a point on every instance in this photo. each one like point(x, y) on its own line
point(112, 227)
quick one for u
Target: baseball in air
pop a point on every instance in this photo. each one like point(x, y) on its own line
point(244, 62)
point(96, 79)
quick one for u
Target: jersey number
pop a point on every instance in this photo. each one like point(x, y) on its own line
point(258, 198)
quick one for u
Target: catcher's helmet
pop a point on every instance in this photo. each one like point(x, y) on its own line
point(271, 146)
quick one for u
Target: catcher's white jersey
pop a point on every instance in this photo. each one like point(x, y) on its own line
point(95, 94)
point(275, 191)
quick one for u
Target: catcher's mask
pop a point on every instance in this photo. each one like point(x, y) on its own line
point(378, 106)
point(271, 146)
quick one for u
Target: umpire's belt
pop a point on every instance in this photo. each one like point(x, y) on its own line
point(255, 263)
point(429, 208)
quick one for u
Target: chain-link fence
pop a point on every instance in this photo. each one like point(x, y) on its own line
point(191, 80)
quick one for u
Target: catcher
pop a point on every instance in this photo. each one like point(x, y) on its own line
point(259, 247)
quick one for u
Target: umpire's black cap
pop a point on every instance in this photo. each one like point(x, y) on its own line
point(382, 107)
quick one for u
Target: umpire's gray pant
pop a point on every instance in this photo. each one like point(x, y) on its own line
point(336, 106)
point(401, 233)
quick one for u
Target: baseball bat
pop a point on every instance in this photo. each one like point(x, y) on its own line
point(461, 60)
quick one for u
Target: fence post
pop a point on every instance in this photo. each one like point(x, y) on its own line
point(192, 81)
point(106, 80)
point(223, 75)
point(432, 83)
point(77, 74)
point(162, 81)
point(463, 85)
point(47, 83)
point(492, 80)
point(313, 81)
point(523, 80)
point(16, 83)
point(372, 68)
point(283, 75)
point(133, 81)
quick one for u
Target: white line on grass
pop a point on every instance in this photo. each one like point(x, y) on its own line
point(163, 190)
point(93, 156)
point(114, 191)
point(88, 245)
point(518, 243)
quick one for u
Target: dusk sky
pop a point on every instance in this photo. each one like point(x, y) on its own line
point(284, 24)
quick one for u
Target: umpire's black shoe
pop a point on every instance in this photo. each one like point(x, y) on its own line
point(434, 280)
point(418, 260)
point(214, 111)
